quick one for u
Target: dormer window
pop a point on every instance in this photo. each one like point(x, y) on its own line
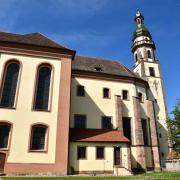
point(99, 69)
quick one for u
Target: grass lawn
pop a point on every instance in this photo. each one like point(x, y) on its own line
point(146, 176)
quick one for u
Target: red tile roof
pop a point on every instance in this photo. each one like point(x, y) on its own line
point(96, 135)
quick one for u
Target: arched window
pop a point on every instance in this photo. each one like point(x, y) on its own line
point(149, 53)
point(4, 135)
point(140, 96)
point(38, 137)
point(9, 84)
point(43, 88)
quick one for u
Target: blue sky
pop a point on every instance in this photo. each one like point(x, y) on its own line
point(103, 28)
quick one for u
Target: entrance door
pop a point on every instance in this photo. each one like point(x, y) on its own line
point(2, 161)
point(117, 156)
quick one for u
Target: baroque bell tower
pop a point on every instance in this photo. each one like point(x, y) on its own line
point(147, 67)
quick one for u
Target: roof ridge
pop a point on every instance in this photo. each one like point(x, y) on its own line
point(12, 33)
point(98, 58)
point(115, 61)
point(52, 40)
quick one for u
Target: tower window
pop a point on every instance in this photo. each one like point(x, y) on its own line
point(106, 93)
point(151, 71)
point(149, 53)
point(140, 96)
point(79, 121)
point(125, 95)
point(80, 90)
point(9, 85)
point(136, 58)
point(106, 122)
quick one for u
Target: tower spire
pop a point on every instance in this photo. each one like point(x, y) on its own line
point(139, 18)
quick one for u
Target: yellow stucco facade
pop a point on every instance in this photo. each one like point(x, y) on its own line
point(23, 116)
point(91, 164)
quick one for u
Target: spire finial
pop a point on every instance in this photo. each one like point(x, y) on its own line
point(138, 13)
point(139, 18)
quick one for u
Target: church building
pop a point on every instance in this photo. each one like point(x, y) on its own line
point(61, 113)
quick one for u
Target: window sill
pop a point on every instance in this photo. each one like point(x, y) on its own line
point(106, 98)
point(39, 110)
point(10, 108)
point(118, 166)
point(125, 99)
point(37, 151)
point(81, 96)
point(4, 149)
point(82, 159)
point(100, 158)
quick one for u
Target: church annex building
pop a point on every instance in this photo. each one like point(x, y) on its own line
point(61, 113)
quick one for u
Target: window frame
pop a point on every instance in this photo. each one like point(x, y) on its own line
point(77, 91)
point(85, 120)
point(45, 150)
point(112, 127)
point(2, 82)
point(123, 90)
point(152, 72)
point(109, 93)
point(101, 158)
point(9, 136)
point(50, 66)
point(84, 158)
point(149, 55)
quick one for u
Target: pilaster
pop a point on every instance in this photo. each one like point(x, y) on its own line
point(153, 135)
point(119, 124)
point(139, 141)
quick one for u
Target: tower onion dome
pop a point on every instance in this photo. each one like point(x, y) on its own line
point(141, 30)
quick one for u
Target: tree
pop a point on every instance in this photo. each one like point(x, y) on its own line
point(173, 125)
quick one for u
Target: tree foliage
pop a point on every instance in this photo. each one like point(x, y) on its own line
point(173, 124)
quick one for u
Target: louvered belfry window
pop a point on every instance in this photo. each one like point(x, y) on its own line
point(9, 85)
point(43, 88)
